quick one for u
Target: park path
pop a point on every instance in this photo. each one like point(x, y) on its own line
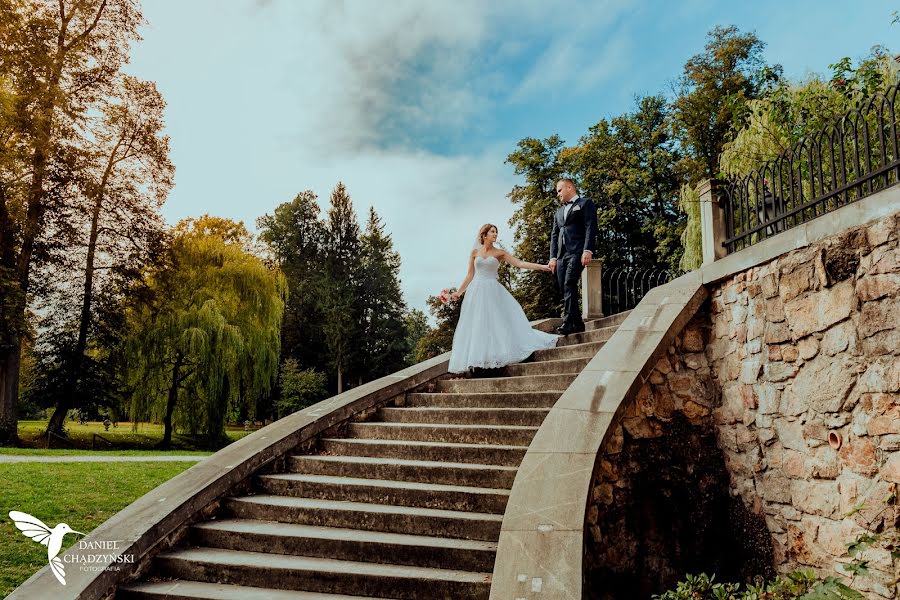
point(54, 459)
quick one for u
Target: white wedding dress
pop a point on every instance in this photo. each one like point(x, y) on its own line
point(493, 330)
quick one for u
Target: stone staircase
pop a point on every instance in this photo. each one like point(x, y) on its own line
point(405, 506)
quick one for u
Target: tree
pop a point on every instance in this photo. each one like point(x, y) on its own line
point(630, 166)
point(416, 328)
point(790, 112)
point(56, 59)
point(128, 180)
point(440, 339)
point(206, 341)
point(342, 287)
point(299, 388)
point(384, 341)
point(714, 89)
point(294, 236)
point(532, 219)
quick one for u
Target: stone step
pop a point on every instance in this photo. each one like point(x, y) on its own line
point(506, 455)
point(484, 399)
point(601, 334)
point(545, 367)
point(201, 590)
point(372, 517)
point(465, 416)
point(530, 383)
point(517, 435)
point(260, 569)
point(347, 544)
point(586, 350)
point(616, 319)
point(423, 471)
point(383, 491)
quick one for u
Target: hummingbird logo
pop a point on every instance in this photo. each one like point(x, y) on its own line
point(52, 538)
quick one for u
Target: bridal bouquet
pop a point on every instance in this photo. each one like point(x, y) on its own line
point(444, 297)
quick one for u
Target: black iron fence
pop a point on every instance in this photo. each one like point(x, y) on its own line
point(623, 288)
point(850, 159)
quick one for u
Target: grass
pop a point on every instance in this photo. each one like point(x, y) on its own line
point(124, 437)
point(71, 452)
point(84, 495)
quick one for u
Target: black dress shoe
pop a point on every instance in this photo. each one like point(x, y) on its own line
point(578, 328)
point(564, 330)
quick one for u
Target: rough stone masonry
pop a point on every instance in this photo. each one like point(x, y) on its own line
point(780, 357)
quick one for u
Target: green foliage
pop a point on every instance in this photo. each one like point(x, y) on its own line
point(384, 344)
point(440, 339)
point(631, 168)
point(205, 343)
point(790, 112)
point(691, 237)
point(299, 388)
point(294, 237)
point(539, 162)
point(416, 328)
point(799, 585)
point(715, 88)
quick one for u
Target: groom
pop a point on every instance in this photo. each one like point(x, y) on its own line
point(571, 249)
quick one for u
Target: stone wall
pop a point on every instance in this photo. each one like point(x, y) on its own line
point(722, 463)
point(660, 506)
point(801, 347)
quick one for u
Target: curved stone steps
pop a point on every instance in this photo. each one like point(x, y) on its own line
point(456, 452)
point(542, 399)
point(408, 504)
point(368, 516)
point(600, 334)
point(525, 383)
point(349, 544)
point(202, 590)
point(315, 574)
point(474, 416)
point(398, 469)
point(385, 491)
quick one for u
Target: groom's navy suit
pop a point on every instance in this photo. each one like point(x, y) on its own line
point(574, 231)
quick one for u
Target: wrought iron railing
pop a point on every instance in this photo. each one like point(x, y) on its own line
point(852, 158)
point(623, 288)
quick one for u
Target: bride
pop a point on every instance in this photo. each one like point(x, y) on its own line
point(493, 330)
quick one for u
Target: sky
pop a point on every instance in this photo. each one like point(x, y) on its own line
point(414, 105)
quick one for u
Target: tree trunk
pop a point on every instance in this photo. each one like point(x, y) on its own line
point(340, 380)
point(170, 404)
point(9, 393)
point(64, 403)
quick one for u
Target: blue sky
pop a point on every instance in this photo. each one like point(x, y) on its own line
point(415, 105)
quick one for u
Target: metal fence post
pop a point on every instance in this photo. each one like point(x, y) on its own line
point(712, 221)
point(592, 290)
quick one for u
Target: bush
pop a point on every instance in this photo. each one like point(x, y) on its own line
point(299, 388)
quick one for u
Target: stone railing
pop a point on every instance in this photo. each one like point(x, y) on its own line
point(157, 520)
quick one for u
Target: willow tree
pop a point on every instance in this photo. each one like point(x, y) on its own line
point(206, 343)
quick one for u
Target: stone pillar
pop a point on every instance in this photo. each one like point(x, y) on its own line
point(712, 221)
point(591, 290)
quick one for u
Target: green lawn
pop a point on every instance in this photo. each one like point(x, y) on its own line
point(84, 495)
point(70, 452)
point(123, 437)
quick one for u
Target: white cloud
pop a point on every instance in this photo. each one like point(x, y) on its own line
point(287, 96)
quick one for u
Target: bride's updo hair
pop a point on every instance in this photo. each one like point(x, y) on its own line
point(483, 231)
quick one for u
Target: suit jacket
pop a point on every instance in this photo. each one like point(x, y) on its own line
point(575, 234)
